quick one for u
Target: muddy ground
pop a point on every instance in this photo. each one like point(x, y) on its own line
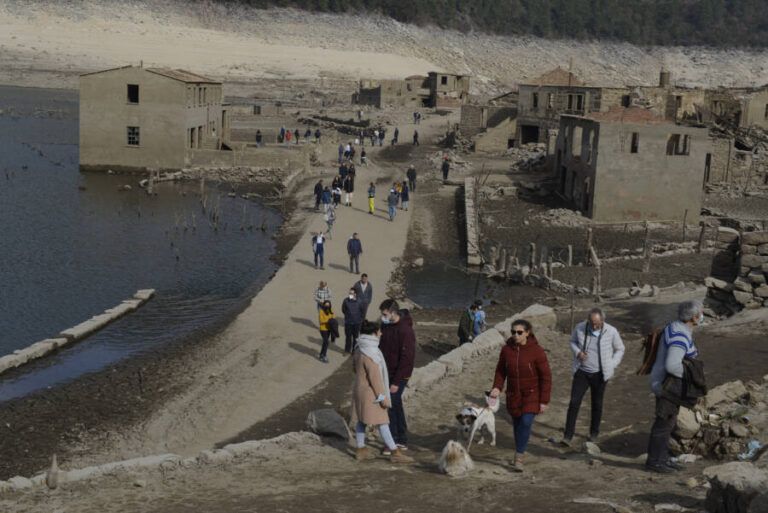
point(295, 474)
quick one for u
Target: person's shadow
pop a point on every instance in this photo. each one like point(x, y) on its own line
point(305, 322)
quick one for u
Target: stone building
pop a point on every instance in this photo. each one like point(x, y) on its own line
point(135, 118)
point(416, 91)
point(630, 164)
point(737, 107)
point(491, 127)
point(448, 89)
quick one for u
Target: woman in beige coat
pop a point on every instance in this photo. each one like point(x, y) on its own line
point(370, 394)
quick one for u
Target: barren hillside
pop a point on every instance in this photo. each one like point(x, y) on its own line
point(49, 43)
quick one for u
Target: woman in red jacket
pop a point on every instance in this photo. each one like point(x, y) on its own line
point(523, 365)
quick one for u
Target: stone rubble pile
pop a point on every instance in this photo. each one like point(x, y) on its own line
point(721, 428)
point(562, 217)
point(528, 156)
point(739, 269)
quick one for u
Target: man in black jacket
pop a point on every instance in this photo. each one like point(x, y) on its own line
point(398, 345)
point(411, 175)
point(318, 194)
point(353, 318)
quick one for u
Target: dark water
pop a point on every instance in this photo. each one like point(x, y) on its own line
point(67, 254)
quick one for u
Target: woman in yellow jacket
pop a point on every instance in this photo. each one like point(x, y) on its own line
point(325, 315)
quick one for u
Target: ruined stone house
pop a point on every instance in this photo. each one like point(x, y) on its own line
point(631, 164)
point(737, 107)
point(435, 90)
point(492, 127)
point(448, 89)
point(136, 118)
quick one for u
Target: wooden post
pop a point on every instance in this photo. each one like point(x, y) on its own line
point(502, 267)
point(646, 239)
point(570, 255)
point(532, 256)
point(647, 263)
point(701, 237)
point(589, 241)
point(685, 224)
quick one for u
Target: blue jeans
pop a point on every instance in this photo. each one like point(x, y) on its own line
point(397, 424)
point(522, 425)
point(319, 252)
point(392, 211)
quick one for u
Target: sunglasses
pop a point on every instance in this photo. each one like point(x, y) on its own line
point(518, 332)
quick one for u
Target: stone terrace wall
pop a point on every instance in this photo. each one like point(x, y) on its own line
point(739, 272)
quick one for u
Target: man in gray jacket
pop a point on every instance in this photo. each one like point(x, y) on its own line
point(675, 344)
point(364, 291)
point(597, 352)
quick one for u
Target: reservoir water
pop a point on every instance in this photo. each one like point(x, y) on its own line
point(72, 245)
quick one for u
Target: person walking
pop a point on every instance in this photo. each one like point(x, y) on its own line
point(354, 250)
point(308, 134)
point(411, 175)
point(349, 189)
point(341, 153)
point(382, 135)
point(326, 197)
point(415, 137)
point(676, 356)
point(466, 324)
point(371, 396)
point(318, 248)
point(322, 294)
point(282, 134)
point(396, 135)
point(374, 137)
point(392, 201)
point(337, 196)
point(343, 171)
point(364, 291)
point(479, 324)
point(404, 196)
point(258, 138)
point(524, 367)
point(597, 352)
point(445, 168)
point(296, 135)
point(317, 135)
point(324, 316)
point(330, 218)
point(363, 158)
point(353, 317)
point(398, 344)
point(318, 194)
point(371, 198)
point(288, 137)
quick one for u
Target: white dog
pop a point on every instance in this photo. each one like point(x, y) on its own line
point(455, 460)
point(474, 419)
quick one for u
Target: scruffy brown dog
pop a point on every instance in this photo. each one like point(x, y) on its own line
point(455, 460)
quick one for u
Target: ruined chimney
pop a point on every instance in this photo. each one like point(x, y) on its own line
point(665, 78)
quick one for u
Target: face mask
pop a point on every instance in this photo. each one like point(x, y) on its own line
point(385, 320)
point(351, 296)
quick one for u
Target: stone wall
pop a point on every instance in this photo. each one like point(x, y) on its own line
point(739, 270)
point(473, 235)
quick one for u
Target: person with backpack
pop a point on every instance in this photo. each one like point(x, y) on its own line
point(677, 379)
point(318, 194)
point(466, 324)
point(352, 309)
point(597, 352)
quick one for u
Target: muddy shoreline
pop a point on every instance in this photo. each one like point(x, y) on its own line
point(86, 415)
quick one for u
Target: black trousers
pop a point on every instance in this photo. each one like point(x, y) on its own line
point(581, 382)
point(412, 185)
point(661, 431)
point(351, 333)
point(397, 423)
point(326, 336)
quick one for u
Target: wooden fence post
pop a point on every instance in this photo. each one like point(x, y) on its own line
point(701, 237)
point(570, 255)
point(590, 235)
point(685, 224)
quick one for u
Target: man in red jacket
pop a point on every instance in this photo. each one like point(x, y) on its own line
point(398, 344)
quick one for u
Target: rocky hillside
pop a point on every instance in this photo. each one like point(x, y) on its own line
point(48, 43)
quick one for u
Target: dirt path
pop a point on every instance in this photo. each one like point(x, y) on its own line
point(268, 355)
